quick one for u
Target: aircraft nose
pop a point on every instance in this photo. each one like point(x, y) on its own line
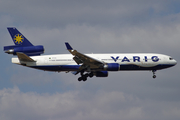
point(175, 62)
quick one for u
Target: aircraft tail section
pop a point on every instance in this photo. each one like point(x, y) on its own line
point(22, 44)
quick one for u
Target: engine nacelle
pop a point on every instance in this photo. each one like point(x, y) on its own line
point(112, 67)
point(101, 73)
point(28, 50)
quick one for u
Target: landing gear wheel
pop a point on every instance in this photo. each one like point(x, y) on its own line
point(84, 79)
point(154, 73)
point(85, 76)
point(91, 75)
point(79, 79)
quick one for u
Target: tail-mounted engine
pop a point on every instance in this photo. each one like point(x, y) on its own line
point(28, 50)
point(101, 73)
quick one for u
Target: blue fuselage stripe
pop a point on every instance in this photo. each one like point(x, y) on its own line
point(135, 67)
point(76, 67)
point(58, 67)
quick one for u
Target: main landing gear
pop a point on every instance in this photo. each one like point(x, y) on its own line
point(154, 73)
point(84, 76)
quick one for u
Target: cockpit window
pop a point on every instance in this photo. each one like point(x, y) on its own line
point(170, 58)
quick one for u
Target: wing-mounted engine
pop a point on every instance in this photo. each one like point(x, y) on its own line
point(101, 73)
point(28, 50)
point(112, 67)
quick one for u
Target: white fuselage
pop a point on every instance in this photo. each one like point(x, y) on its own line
point(128, 61)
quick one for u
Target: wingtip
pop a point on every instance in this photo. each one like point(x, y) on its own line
point(68, 46)
point(11, 28)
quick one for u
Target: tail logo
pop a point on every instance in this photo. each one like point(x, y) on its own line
point(18, 39)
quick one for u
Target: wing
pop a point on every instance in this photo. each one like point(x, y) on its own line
point(87, 61)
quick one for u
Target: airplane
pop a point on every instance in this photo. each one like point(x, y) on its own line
point(87, 65)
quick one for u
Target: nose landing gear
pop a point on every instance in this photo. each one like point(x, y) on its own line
point(154, 73)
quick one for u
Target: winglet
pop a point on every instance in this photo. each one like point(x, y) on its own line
point(68, 46)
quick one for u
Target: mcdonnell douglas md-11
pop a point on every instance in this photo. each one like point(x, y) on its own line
point(87, 65)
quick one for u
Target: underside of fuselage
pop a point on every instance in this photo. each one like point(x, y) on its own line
point(128, 67)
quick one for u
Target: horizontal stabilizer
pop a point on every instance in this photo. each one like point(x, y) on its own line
point(24, 57)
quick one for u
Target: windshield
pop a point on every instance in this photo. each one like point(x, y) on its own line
point(170, 58)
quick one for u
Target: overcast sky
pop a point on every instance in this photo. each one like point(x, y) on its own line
point(94, 26)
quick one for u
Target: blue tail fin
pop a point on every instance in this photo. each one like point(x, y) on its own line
point(18, 38)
